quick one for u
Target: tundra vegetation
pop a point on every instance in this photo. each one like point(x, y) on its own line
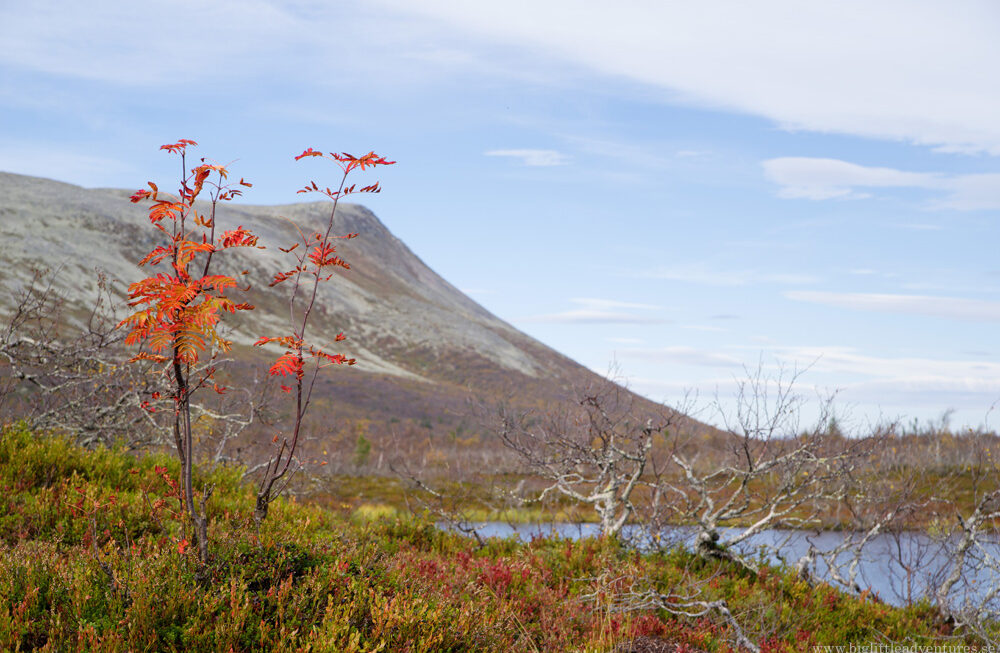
point(157, 501)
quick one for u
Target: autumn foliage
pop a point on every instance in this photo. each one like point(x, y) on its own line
point(179, 308)
point(314, 260)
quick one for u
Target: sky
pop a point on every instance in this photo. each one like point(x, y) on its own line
point(679, 192)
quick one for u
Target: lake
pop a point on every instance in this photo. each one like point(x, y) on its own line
point(899, 568)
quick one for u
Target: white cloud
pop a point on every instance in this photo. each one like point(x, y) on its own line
point(110, 41)
point(973, 310)
point(907, 70)
point(883, 385)
point(709, 276)
point(692, 154)
point(533, 158)
point(682, 356)
point(972, 192)
point(83, 168)
point(822, 179)
point(612, 303)
point(702, 327)
point(602, 311)
point(903, 374)
point(226, 42)
point(590, 316)
point(920, 226)
point(917, 71)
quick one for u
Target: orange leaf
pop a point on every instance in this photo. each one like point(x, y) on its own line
point(309, 152)
point(289, 363)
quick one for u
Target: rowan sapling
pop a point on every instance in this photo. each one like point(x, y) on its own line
point(316, 260)
point(180, 307)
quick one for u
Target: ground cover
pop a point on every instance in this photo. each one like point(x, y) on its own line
point(94, 556)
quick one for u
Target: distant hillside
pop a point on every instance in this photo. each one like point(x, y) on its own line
point(423, 348)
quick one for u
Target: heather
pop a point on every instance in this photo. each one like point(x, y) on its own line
point(95, 556)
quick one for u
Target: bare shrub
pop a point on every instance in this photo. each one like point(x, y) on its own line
point(65, 372)
point(596, 452)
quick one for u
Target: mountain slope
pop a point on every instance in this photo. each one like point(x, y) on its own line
point(423, 347)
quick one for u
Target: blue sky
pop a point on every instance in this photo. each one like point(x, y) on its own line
point(683, 189)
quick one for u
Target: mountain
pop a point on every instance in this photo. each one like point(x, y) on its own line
point(424, 349)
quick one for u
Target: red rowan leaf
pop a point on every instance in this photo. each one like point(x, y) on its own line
point(239, 237)
point(288, 364)
point(217, 281)
point(163, 209)
point(285, 388)
point(145, 356)
point(187, 250)
point(282, 276)
point(308, 152)
point(340, 336)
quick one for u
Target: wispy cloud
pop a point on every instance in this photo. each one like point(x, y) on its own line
point(533, 158)
point(702, 327)
point(823, 179)
point(710, 276)
point(602, 311)
point(638, 155)
point(972, 374)
point(973, 310)
point(919, 226)
point(52, 163)
point(682, 356)
point(692, 154)
point(98, 41)
point(779, 59)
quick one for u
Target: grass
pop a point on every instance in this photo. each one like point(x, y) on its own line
point(92, 557)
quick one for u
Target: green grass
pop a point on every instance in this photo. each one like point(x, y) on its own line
point(320, 580)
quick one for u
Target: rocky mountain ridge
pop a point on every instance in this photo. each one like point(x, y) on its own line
point(423, 347)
